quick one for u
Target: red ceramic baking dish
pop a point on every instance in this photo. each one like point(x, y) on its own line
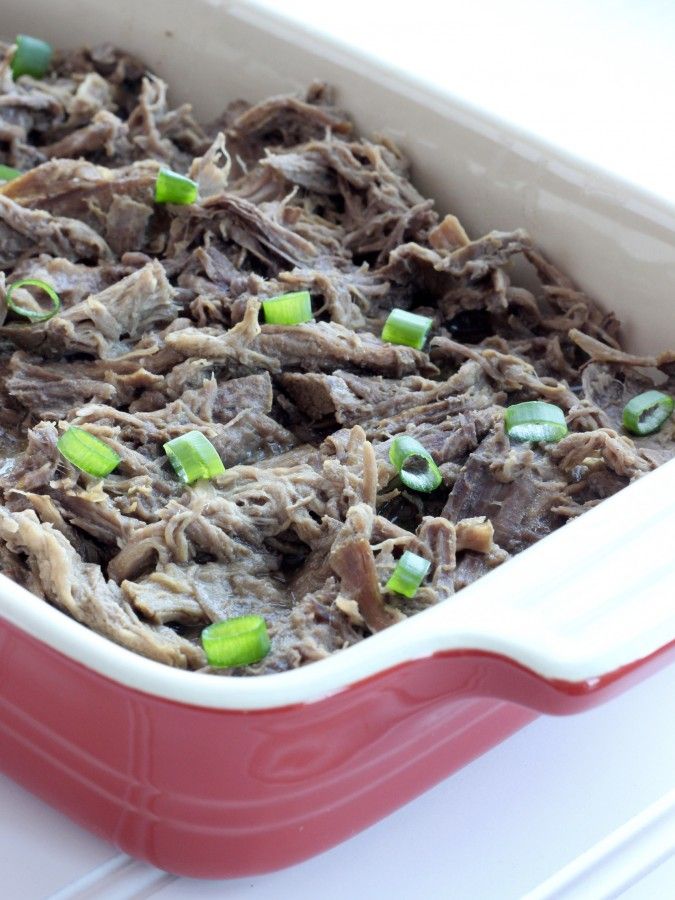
point(212, 776)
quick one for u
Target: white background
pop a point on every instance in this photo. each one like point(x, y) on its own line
point(596, 77)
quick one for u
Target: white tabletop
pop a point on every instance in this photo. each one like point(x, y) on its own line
point(596, 78)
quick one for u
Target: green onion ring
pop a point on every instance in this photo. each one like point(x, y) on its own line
point(171, 187)
point(236, 642)
point(535, 421)
point(31, 57)
point(193, 456)
point(406, 328)
point(87, 452)
point(647, 412)
point(7, 173)
point(288, 309)
point(408, 575)
point(404, 449)
point(32, 314)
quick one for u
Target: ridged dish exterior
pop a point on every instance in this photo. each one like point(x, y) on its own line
point(214, 793)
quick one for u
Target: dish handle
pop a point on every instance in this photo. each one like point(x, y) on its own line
point(578, 617)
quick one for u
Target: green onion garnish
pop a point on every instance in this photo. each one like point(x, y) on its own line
point(193, 456)
point(422, 473)
point(535, 421)
point(236, 642)
point(288, 309)
point(406, 328)
point(33, 314)
point(7, 173)
point(408, 574)
point(171, 187)
point(87, 452)
point(31, 57)
point(647, 412)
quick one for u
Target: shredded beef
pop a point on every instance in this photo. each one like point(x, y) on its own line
point(160, 333)
point(25, 232)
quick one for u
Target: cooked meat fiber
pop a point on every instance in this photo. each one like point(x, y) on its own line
point(160, 333)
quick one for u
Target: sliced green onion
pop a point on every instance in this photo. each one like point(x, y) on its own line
point(647, 412)
point(236, 642)
point(193, 456)
point(171, 187)
point(406, 328)
point(87, 452)
point(408, 574)
point(535, 421)
point(422, 473)
point(31, 57)
point(288, 309)
point(7, 173)
point(33, 314)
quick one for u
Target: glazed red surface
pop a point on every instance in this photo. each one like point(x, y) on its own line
point(216, 793)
